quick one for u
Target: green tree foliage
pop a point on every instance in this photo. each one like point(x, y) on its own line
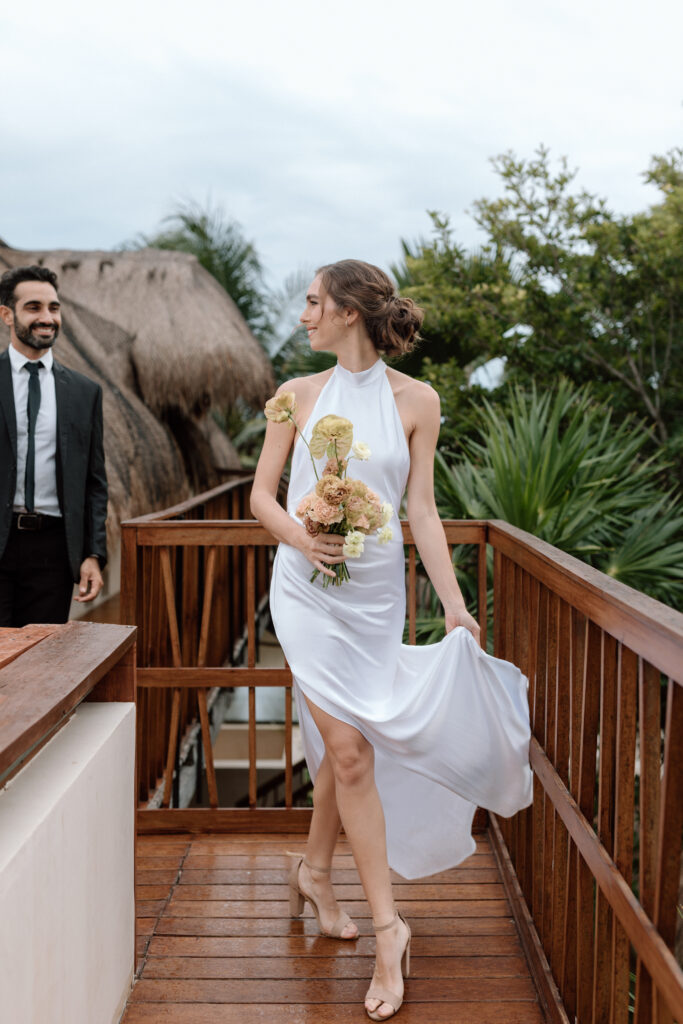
point(568, 470)
point(465, 296)
point(601, 295)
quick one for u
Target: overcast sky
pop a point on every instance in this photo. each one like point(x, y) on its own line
point(326, 130)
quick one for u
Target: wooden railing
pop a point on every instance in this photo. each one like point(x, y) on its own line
point(597, 912)
point(192, 579)
point(605, 665)
point(46, 672)
point(195, 580)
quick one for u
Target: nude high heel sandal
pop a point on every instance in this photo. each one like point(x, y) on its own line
point(383, 994)
point(297, 899)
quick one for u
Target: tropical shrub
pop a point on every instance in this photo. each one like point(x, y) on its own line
point(558, 466)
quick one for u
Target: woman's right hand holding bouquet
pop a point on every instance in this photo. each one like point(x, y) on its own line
point(322, 550)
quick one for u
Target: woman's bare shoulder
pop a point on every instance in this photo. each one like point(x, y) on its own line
point(306, 386)
point(409, 389)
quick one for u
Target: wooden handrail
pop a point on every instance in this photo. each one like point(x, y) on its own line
point(594, 651)
point(42, 687)
point(652, 629)
point(237, 482)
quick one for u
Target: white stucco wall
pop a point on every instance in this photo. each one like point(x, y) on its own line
point(67, 910)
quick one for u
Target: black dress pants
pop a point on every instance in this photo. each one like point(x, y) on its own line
point(36, 584)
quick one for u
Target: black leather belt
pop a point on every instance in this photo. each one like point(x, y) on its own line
point(34, 520)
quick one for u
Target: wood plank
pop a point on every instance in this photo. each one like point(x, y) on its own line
point(317, 945)
point(238, 480)
point(243, 926)
point(585, 799)
point(330, 967)
point(273, 908)
point(345, 893)
point(412, 1012)
point(603, 966)
point(341, 876)
point(624, 820)
point(670, 826)
point(321, 990)
point(275, 842)
point(42, 687)
point(203, 819)
point(156, 876)
point(16, 640)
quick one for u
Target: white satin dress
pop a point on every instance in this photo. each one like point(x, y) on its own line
point(449, 724)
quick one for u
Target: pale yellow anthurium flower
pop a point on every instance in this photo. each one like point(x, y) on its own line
point(331, 430)
point(281, 407)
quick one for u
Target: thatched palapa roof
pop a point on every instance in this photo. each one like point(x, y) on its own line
point(166, 343)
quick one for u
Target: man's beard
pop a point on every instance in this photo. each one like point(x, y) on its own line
point(26, 336)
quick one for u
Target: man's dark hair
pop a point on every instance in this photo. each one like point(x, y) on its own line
point(11, 278)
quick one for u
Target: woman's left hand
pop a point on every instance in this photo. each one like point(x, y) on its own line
point(463, 618)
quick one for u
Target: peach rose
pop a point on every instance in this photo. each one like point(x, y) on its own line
point(312, 528)
point(322, 512)
point(305, 504)
point(332, 489)
point(334, 467)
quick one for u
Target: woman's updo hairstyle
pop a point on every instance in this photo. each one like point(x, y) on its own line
point(391, 321)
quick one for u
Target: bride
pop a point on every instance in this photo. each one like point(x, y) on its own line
point(402, 742)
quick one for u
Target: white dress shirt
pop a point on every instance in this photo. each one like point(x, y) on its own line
point(46, 498)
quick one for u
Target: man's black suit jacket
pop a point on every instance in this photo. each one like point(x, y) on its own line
point(81, 477)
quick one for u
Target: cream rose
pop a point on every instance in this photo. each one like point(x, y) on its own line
point(353, 544)
point(387, 512)
point(361, 450)
point(385, 535)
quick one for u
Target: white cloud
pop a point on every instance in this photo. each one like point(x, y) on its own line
point(325, 130)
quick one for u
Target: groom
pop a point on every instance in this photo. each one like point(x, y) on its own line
point(53, 486)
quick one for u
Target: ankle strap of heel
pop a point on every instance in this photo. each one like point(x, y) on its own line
point(385, 927)
point(312, 867)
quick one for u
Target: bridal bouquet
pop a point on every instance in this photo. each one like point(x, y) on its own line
point(339, 504)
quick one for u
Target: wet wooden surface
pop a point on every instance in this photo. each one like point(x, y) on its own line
point(217, 945)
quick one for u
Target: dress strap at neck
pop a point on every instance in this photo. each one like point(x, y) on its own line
point(363, 377)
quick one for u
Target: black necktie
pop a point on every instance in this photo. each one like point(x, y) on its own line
point(32, 408)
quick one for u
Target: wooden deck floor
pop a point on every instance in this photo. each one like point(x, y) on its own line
point(217, 945)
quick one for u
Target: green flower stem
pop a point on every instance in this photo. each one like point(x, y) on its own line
point(305, 442)
point(341, 573)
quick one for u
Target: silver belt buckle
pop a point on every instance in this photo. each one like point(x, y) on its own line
point(28, 521)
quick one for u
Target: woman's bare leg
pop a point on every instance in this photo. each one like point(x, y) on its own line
point(352, 762)
point(322, 839)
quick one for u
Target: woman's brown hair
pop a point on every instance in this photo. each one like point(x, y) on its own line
point(391, 321)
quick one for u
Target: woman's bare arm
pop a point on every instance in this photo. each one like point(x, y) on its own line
point(425, 523)
point(264, 505)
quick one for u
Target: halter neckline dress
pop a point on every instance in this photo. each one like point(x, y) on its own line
point(448, 723)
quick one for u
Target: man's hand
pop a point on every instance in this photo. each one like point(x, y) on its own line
point(91, 581)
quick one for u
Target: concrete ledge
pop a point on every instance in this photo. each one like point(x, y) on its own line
point(67, 909)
